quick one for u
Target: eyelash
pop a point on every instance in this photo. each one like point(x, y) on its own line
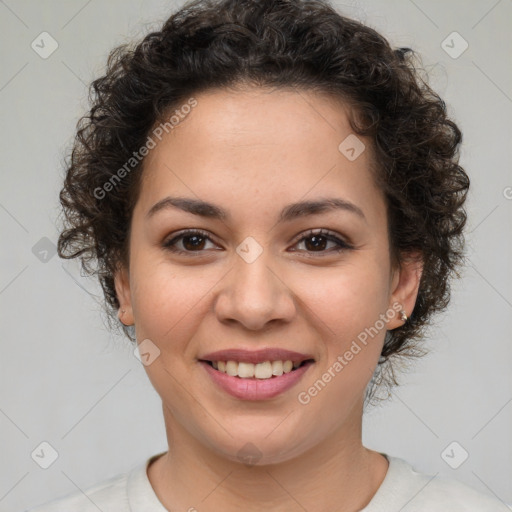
point(342, 245)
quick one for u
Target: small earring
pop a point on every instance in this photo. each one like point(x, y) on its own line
point(403, 316)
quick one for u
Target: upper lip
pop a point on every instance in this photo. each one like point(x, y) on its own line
point(256, 356)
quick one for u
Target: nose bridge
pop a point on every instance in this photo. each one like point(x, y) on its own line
point(253, 294)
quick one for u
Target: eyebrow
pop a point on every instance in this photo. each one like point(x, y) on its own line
point(288, 213)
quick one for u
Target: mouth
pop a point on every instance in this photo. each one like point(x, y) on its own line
point(260, 374)
point(264, 380)
point(257, 371)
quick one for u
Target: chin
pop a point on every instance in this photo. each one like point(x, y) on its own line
point(262, 450)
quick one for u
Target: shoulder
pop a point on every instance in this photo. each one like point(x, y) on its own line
point(442, 491)
point(107, 495)
point(408, 490)
point(123, 493)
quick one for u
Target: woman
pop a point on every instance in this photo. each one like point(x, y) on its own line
point(272, 201)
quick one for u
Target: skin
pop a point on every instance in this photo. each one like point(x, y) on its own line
point(253, 151)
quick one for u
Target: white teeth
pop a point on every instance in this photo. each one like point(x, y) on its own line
point(277, 368)
point(263, 370)
point(232, 368)
point(245, 370)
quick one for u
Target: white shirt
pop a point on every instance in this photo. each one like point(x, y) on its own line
point(402, 490)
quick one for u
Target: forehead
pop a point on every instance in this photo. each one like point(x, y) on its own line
point(256, 147)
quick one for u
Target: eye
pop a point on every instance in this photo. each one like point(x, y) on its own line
point(318, 240)
point(315, 241)
point(191, 241)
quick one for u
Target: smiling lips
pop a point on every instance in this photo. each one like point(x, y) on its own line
point(260, 364)
point(256, 375)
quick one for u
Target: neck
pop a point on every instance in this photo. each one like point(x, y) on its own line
point(338, 474)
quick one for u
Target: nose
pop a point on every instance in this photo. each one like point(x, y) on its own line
point(253, 294)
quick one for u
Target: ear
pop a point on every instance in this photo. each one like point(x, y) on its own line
point(122, 285)
point(405, 283)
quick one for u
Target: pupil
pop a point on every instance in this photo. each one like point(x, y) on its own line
point(316, 244)
point(194, 245)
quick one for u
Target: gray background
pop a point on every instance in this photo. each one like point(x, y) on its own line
point(68, 381)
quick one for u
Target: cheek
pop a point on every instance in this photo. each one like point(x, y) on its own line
point(167, 303)
point(347, 298)
point(345, 305)
point(347, 310)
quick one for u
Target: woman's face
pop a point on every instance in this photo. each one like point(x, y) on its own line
point(256, 277)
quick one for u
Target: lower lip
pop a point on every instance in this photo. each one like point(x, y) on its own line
point(256, 389)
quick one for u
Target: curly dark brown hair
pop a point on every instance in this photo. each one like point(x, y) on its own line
point(298, 44)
